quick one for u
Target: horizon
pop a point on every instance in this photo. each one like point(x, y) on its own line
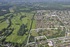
point(35, 0)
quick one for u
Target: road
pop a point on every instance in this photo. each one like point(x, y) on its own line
point(53, 38)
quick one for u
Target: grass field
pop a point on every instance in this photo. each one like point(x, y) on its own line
point(3, 25)
point(34, 33)
point(34, 24)
point(14, 37)
point(1, 17)
point(24, 9)
point(66, 5)
point(7, 14)
point(16, 19)
point(45, 13)
point(28, 8)
point(11, 10)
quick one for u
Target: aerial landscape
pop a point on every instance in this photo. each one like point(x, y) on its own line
point(34, 23)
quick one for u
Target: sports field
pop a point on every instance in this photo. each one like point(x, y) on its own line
point(16, 19)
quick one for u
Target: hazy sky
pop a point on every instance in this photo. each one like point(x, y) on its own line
point(36, 0)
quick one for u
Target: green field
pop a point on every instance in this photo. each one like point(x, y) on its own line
point(3, 25)
point(34, 33)
point(11, 10)
point(49, 33)
point(14, 37)
point(28, 8)
point(66, 5)
point(34, 24)
point(24, 9)
point(45, 13)
point(26, 20)
point(1, 17)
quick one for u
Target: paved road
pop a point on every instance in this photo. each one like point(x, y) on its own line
point(54, 28)
point(64, 25)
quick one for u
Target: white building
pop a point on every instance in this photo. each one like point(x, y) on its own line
point(53, 15)
point(50, 43)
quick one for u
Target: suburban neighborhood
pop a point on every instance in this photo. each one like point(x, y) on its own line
point(50, 23)
point(34, 23)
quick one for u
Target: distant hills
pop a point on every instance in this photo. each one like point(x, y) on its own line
point(34, 0)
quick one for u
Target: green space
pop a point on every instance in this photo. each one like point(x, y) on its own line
point(46, 13)
point(24, 9)
point(7, 14)
point(1, 17)
point(34, 24)
point(20, 18)
point(3, 25)
point(16, 23)
point(27, 8)
point(66, 5)
point(34, 33)
point(49, 33)
point(14, 37)
point(11, 10)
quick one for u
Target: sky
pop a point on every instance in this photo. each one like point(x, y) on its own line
point(35, 0)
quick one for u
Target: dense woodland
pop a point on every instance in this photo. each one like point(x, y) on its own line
point(46, 6)
point(22, 30)
point(4, 8)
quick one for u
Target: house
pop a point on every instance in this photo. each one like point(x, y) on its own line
point(68, 33)
point(50, 43)
point(53, 15)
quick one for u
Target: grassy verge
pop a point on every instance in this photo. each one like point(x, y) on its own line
point(34, 24)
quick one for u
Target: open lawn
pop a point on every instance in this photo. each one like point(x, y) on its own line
point(1, 17)
point(34, 24)
point(34, 33)
point(14, 37)
point(3, 25)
